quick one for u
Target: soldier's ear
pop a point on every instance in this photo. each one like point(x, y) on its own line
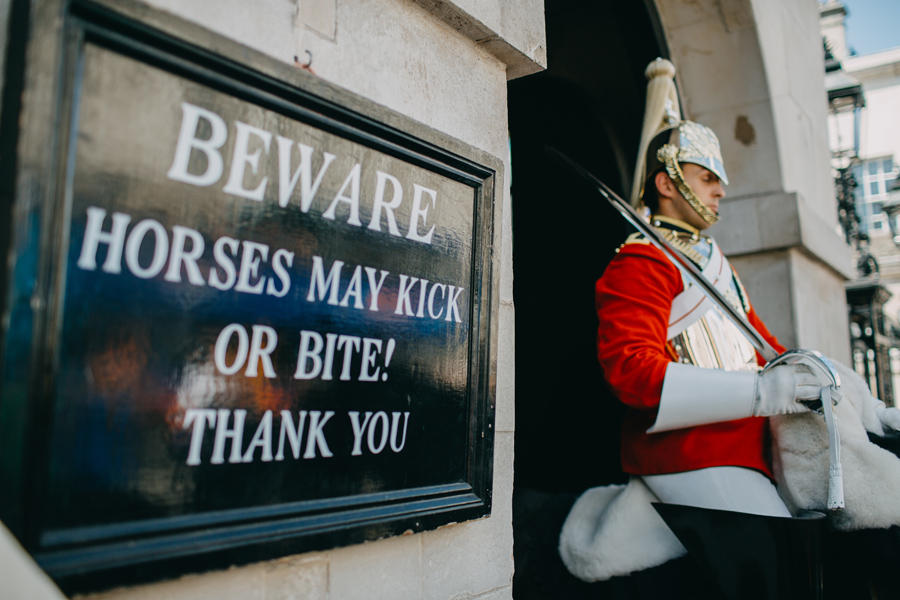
point(665, 187)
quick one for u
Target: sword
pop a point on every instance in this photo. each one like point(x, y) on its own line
point(828, 395)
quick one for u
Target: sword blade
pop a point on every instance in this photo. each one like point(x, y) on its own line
point(678, 259)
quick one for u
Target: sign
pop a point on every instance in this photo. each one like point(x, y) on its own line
point(274, 318)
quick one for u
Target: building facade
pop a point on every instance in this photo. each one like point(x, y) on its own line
point(871, 140)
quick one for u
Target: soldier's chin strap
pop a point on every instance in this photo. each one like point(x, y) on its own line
point(668, 155)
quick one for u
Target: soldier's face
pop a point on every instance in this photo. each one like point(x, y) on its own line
point(708, 188)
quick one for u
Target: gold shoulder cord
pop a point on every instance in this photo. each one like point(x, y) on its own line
point(668, 155)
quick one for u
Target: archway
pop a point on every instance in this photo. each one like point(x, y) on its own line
point(589, 104)
point(733, 77)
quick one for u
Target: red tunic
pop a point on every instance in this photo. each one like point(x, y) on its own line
point(634, 300)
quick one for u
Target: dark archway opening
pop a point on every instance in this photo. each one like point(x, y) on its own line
point(589, 104)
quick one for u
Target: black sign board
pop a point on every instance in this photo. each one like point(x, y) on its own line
point(266, 325)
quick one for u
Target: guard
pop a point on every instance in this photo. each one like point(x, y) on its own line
point(697, 429)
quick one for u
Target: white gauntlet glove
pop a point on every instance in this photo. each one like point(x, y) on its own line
point(781, 390)
point(693, 396)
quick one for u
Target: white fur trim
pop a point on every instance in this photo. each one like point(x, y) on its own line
point(614, 530)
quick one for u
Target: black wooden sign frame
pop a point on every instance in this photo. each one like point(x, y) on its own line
point(55, 34)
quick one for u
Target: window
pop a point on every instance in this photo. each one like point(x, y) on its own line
point(874, 179)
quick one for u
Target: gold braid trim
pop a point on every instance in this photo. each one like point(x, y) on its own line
point(668, 155)
point(683, 246)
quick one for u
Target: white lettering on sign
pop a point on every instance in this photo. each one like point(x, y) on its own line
point(287, 181)
point(405, 303)
point(224, 433)
point(237, 264)
point(375, 356)
point(377, 431)
point(250, 267)
point(94, 236)
point(188, 142)
point(184, 256)
point(258, 349)
point(199, 418)
point(318, 280)
point(323, 286)
point(230, 437)
point(250, 153)
point(196, 275)
point(413, 297)
point(420, 212)
point(243, 158)
point(352, 200)
point(159, 244)
point(224, 262)
point(180, 256)
point(281, 259)
point(294, 434)
point(262, 439)
point(388, 207)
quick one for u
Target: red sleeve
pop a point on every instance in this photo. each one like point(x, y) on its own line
point(634, 300)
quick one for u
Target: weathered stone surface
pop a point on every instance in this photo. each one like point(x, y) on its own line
point(467, 559)
point(386, 570)
point(293, 578)
point(244, 583)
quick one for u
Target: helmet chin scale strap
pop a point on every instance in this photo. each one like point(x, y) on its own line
point(668, 155)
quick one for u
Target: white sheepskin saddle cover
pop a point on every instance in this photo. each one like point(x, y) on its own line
point(614, 530)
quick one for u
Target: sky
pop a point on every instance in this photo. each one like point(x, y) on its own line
point(872, 25)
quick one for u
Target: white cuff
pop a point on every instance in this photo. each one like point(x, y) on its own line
point(696, 396)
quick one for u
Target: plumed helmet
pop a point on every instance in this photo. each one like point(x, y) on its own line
point(695, 143)
point(667, 140)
